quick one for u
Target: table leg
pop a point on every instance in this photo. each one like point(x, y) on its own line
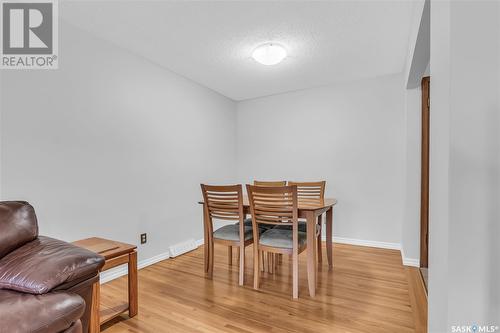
point(329, 236)
point(133, 304)
point(318, 240)
point(94, 322)
point(311, 252)
point(230, 255)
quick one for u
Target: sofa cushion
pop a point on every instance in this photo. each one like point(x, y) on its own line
point(53, 312)
point(18, 225)
point(41, 265)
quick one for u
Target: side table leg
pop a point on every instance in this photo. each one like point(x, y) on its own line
point(133, 304)
point(94, 324)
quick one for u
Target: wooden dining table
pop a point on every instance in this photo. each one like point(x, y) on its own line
point(310, 212)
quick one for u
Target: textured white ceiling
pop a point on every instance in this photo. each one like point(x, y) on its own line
point(211, 42)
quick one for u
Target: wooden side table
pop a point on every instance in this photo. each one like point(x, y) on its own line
point(115, 254)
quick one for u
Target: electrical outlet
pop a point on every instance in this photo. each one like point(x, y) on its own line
point(144, 238)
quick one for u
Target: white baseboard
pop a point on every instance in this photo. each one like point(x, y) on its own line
point(409, 261)
point(362, 242)
point(383, 245)
point(174, 251)
point(351, 241)
point(119, 271)
point(113, 273)
point(181, 248)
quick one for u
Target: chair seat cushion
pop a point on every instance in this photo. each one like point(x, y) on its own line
point(248, 222)
point(302, 227)
point(231, 232)
point(45, 263)
point(281, 238)
point(52, 312)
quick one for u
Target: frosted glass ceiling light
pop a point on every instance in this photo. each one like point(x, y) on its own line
point(269, 54)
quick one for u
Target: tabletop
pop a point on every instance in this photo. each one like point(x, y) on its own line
point(322, 204)
point(105, 247)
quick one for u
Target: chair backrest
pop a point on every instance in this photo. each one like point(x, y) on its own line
point(223, 202)
point(269, 183)
point(310, 192)
point(273, 205)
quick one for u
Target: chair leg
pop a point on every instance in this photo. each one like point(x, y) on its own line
point(206, 242)
point(270, 257)
point(295, 274)
point(211, 258)
point(256, 266)
point(206, 253)
point(241, 256)
point(229, 255)
point(263, 266)
point(320, 257)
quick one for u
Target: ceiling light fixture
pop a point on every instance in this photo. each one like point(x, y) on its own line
point(269, 54)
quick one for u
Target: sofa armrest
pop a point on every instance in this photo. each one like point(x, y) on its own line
point(45, 263)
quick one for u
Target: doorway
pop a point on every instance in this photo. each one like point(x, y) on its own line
point(424, 189)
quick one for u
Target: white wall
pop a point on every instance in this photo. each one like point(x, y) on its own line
point(352, 135)
point(464, 210)
point(417, 66)
point(410, 236)
point(474, 160)
point(419, 50)
point(112, 145)
point(439, 168)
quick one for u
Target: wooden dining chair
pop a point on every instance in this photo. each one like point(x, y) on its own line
point(269, 260)
point(225, 203)
point(276, 206)
point(248, 221)
point(311, 193)
point(269, 183)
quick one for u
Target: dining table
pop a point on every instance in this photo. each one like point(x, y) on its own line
point(310, 212)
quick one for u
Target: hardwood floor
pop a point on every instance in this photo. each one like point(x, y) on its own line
point(369, 290)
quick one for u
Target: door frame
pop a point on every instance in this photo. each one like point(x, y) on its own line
point(424, 180)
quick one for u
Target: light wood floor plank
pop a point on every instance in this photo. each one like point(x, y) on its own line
point(368, 290)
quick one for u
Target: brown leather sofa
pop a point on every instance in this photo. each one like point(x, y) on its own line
point(45, 283)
